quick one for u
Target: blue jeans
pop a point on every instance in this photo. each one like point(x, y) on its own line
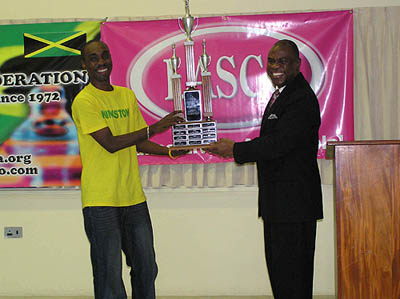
point(111, 230)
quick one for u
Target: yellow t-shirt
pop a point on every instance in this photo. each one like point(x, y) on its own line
point(108, 179)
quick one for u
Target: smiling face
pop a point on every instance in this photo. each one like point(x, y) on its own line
point(283, 64)
point(97, 61)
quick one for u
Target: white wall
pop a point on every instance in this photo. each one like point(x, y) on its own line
point(101, 8)
point(208, 242)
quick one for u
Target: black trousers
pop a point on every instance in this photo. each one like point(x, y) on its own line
point(289, 252)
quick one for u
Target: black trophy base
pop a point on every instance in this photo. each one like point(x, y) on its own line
point(187, 135)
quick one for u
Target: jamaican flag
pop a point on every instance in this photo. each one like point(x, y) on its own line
point(53, 44)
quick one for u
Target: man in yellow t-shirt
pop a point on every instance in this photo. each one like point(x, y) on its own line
point(110, 131)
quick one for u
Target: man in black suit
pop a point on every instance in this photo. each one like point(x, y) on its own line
point(290, 197)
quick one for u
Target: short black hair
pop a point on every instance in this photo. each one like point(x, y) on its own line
point(290, 44)
point(84, 47)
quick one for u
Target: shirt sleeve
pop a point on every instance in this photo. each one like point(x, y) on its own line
point(86, 115)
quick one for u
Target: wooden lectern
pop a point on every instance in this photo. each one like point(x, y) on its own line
point(367, 218)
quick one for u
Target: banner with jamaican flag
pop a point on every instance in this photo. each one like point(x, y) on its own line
point(40, 73)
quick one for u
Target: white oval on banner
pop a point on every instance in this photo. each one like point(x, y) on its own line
point(139, 64)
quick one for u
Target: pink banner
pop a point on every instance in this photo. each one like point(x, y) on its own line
point(238, 46)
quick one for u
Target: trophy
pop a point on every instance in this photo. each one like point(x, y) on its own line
point(199, 129)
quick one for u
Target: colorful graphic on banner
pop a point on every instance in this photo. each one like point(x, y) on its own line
point(40, 73)
point(238, 46)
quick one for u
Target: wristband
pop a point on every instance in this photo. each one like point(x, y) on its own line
point(170, 154)
point(148, 133)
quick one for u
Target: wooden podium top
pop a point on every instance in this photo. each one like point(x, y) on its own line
point(330, 148)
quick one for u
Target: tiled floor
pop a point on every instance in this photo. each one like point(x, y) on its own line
point(166, 297)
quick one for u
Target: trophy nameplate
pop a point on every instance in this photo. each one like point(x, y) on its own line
point(194, 134)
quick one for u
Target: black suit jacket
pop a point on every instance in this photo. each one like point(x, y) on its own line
point(286, 156)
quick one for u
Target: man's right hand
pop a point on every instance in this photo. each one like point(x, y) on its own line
point(166, 122)
point(222, 148)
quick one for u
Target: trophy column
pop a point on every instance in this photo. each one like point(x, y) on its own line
point(176, 81)
point(206, 83)
point(190, 69)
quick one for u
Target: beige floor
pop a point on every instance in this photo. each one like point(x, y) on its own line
point(167, 297)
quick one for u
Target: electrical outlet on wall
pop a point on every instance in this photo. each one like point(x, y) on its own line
point(13, 232)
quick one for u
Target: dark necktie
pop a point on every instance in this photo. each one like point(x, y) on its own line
point(274, 96)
